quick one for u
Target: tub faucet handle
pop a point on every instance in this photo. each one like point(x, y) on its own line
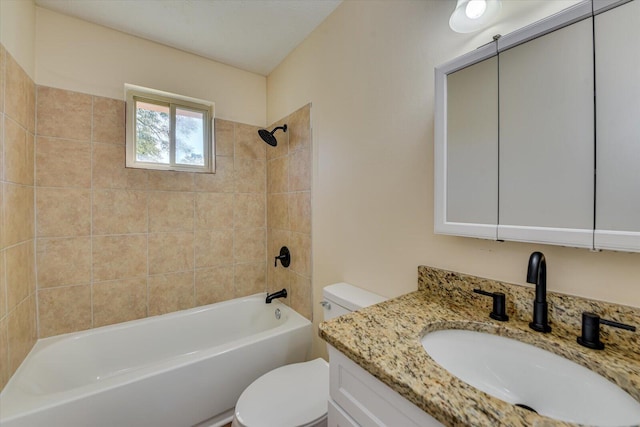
point(284, 257)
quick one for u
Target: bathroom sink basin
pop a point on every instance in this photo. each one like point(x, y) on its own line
point(532, 378)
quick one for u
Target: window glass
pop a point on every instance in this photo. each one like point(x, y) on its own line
point(152, 132)
point(189, 137)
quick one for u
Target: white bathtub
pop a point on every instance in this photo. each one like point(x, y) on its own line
point(180, 369)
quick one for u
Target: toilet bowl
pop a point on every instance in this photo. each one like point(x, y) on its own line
point(296, 395)
point(292, 395)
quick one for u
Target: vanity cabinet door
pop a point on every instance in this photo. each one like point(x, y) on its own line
point(467, 146)
point(546, 153)
point(618, 128)
point(362, 399)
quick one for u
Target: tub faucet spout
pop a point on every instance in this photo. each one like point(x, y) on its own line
point(279, 294)
point(537, 273)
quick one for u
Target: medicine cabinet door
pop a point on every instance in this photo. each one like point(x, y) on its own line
point(617, 36)
point(546, 188)
point(467, 152)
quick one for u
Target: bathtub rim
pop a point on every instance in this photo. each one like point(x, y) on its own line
point(21, 402)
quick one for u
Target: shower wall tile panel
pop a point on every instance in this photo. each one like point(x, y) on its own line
point(116, 244)
point(64, 309)
point(18, 330)
point(214, 284)
point(214, 210)
point(18, 153)
point(21, 332)
point(55, 170)
point(63, 211)
point(250, 278)
point(119, 211)
point(248, 145)
point(108, 169)
point(119, 301)
point(3, 288)
point(171, 292)
point(113, 244)
point(225, 137)
point(64, 114)
point(119, 256)
point(63, 261)
point(111, 114)
point(20, 273)
point(250, 210)
point(278, 174)
point(289, 209)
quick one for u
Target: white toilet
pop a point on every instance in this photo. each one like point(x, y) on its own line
point(296, 395)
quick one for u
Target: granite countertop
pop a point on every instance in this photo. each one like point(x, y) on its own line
point(384, 339)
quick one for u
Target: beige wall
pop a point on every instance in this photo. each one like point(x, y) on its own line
point(368, 69)
point(116, 244)
point(17, 32)
point(76, 55)
point(17, 255)
point(289, 209)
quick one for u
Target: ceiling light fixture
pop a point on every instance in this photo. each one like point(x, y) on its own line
point(473, 15)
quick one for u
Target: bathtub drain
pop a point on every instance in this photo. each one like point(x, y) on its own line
point(278, 313)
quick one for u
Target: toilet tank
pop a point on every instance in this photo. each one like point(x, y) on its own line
point(343, 298)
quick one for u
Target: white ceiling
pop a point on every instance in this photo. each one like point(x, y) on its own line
point(254, 35)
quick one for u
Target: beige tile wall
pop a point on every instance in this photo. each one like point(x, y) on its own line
point(289, 209)
point(17, 253)
point(116, 244)
point(86, 242)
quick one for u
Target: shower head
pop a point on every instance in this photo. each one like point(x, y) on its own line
point(268, 136)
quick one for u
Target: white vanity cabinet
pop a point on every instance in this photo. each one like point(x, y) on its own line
point(567, 152)
point(357, 398)
point(617, 126)
point(546, 135)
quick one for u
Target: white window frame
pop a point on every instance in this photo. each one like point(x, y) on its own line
point(135, 93)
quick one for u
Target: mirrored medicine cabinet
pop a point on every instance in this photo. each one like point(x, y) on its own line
point(537, 135)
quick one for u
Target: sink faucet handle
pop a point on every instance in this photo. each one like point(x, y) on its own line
point(499, 311)
point(590, 337)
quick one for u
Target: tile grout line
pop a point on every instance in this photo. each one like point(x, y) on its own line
point(91, 290)
point(35, 209)
point(5, 317)
point(148, 196)
point(233, 223)
point(287, 196)
point(266, 224)
point(194, 301)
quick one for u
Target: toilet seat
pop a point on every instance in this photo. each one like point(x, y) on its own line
point(294, 395)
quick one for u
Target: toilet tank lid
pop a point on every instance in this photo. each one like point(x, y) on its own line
point(350, 297)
